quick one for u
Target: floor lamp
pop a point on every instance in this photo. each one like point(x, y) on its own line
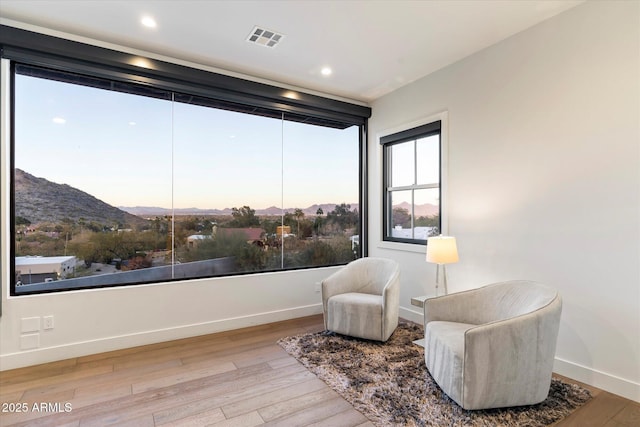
point(442, 250)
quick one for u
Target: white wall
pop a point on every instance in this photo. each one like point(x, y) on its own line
point(543, 179)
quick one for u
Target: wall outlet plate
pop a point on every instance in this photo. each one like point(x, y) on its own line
point(47, 322)
point(29, 324)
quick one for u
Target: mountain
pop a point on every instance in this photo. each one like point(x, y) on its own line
point(40, 200)
point(152, 211)
point(420, 210)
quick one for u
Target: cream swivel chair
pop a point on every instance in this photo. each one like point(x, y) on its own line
point(362, 299)
point(494, 346)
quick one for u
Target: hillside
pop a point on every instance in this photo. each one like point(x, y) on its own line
point(39, 200)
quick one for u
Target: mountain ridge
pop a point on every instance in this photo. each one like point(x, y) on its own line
point(39, 200)
point(149, 211)
point(426, 209)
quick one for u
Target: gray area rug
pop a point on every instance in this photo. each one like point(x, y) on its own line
point(389, 383)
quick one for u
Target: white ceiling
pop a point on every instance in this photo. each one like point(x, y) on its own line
point(373, 47)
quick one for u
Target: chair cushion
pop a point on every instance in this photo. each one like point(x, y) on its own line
point(355, 314)
point(444, 355)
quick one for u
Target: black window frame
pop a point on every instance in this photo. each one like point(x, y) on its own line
point(388, 141)
point(58, 56)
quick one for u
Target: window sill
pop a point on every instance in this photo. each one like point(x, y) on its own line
point(405, 247)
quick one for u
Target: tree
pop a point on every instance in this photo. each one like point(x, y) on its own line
point(317, 253)
point(343, 217)
point(317, 223)
point(298, 214)
point(306, 228)
point(402, 217)
point(432, 221)
point(428, 221)
point(244, 217)
point(22, 220)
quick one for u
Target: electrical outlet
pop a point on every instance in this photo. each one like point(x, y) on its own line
point(317, 287)
point(47, 322)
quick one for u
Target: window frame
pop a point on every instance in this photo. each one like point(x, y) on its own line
point(35, 49)
point(401, 134)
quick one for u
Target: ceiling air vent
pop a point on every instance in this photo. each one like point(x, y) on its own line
point(264, 37)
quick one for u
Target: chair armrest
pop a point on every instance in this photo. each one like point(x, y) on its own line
point(391, 291)
point(337, 283)
point(457, 307)
point(504, 343)
point(340, 282)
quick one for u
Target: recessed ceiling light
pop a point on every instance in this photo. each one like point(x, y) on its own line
point(148, 22)
point(326, 71)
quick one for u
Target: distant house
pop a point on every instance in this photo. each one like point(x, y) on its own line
point(421, 233)
point(195, 239)
point(283, 230)
point(252, 234)
point(36, 269)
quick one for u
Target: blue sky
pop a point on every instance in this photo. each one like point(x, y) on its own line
point(132, 151)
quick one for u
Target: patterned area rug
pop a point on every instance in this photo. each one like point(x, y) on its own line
point(390, 384)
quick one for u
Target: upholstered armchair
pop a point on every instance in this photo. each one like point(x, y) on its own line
point(362, 299)
point(493, 346)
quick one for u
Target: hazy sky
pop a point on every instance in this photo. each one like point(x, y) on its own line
point(134, 151)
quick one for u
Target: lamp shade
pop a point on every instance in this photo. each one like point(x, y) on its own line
point(442, 250)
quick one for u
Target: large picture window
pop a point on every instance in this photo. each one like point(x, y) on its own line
point(411, 184)
point(115, 183)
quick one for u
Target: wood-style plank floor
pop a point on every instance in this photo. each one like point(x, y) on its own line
point(235, 378)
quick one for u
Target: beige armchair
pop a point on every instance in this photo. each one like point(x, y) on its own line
point(362, 299)
point(493, 346)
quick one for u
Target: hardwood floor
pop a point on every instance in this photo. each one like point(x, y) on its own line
point(235, 378)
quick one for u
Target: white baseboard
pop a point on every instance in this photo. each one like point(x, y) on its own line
point(601, 380)
point(78, 349)
point(412, 315)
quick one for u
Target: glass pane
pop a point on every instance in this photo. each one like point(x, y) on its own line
point(227, 190)
point(400, 220)
point(402, 164)
point(320, 195)
point(427, 211)
point(428, 159)
point(86, 160)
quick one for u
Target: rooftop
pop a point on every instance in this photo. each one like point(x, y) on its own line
point(35, 260)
